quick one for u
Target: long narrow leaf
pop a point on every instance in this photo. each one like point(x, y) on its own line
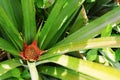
point(50, 21)
point(64, 73)
point(80, 21)
point(108, 53)
point(12, 73)
point(80, 45)
point(94, 28)
point(5, 66)
point(5, 45)
point(17, 9)
point(10, 29)
point(62, 10)
point(86, 67)
point(29, 26)
point(60, 32)
point(6, 5)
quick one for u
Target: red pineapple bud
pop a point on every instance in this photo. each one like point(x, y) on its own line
point(31, 52)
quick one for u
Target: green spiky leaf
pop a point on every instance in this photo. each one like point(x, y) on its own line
point(29, 27)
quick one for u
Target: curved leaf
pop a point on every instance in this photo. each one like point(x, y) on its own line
point(64, 73)
point(61, 11)
point(94, 28)
point(10, 30)
point(6, 5)
point(12, 73)
point(80, 45)
point(8, 47)
point(8, 65)
point(95, 70)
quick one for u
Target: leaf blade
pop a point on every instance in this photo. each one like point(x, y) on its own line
point(8, 65)
point(64, 73)
point(93, 28)
point(86, 67)
point(10, 30)
point(56, 19)
point(104, 42)
point(6, 5)
point(29, 26)
point(5, 45)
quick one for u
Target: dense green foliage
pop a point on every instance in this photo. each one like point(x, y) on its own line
point(82, 39)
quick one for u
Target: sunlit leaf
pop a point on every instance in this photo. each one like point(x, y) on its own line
point(94, 28)
point(12, 73)
point(80, 45)
point(61, 11)
point(92, 55)
point(8, 65)
point(64, 73)
point(86, 67)
point(109, 56)
point(108, 53)
point(107, 31)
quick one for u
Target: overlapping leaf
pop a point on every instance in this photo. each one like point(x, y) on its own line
point(62, 10)
point(95, 27)
point(10, 30)
point(5, 45)
point(86, 67)
point(80, 45)
point(8, 65)
point(64, 73)
point(6, 5)
point(29, 25)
